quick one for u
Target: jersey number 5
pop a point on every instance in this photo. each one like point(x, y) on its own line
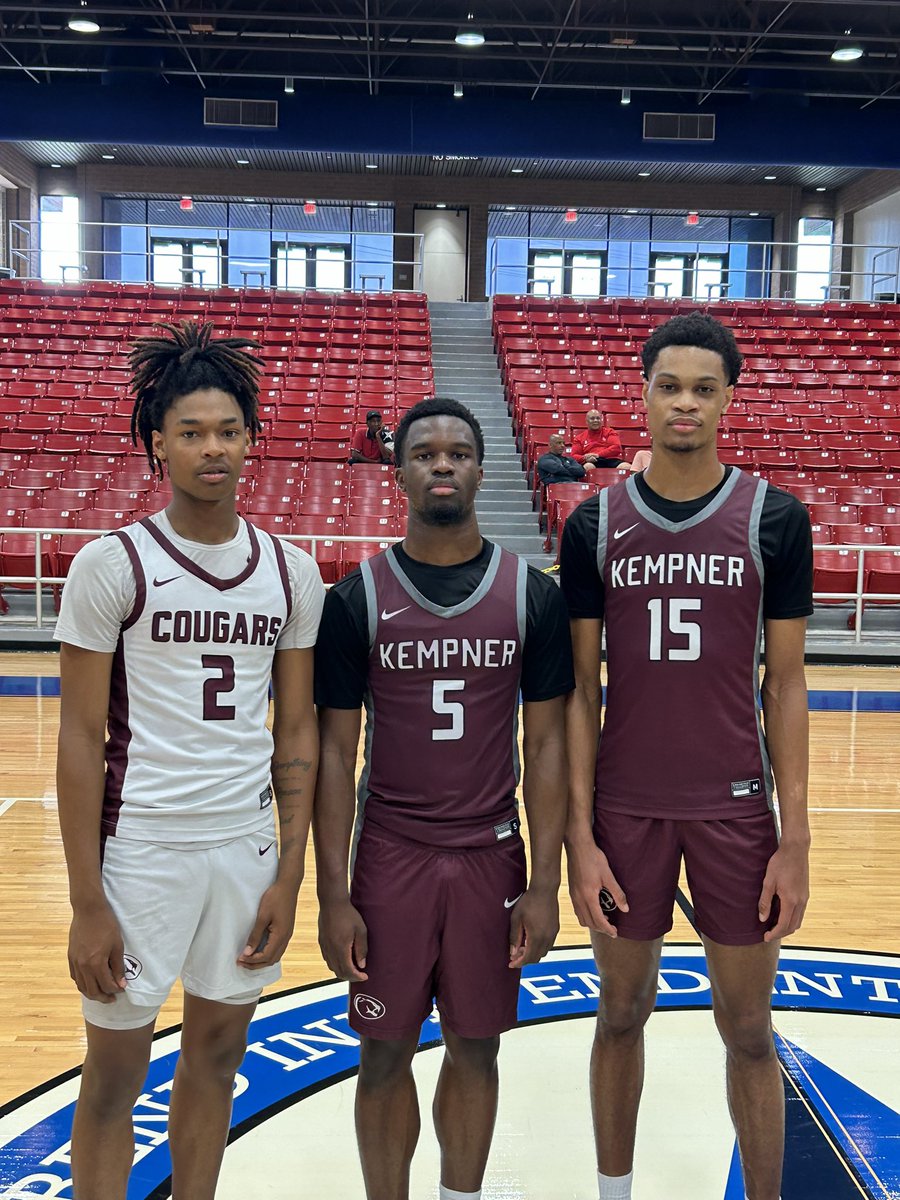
point(448, 708)
point(676, 626)
point(214, 688)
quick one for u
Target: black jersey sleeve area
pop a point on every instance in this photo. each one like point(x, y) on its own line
point(547, 668)
point(579, 578)
point(785, 538)
point(342, 648)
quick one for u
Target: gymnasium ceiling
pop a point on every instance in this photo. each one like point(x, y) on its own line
point(736, 56)
point(689, 49)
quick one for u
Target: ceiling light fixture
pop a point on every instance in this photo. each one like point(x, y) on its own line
point(626, 96)
point(243, 162)
point(289, 85)
point(440, 206)
point(108, 157)
point(517, 171)
point(82, 25)
point(56, 165)
point(847, 52)
point(457, 91)
point(753, 214)
point(469, 34)
point(371, 204)
point(643, 174)
point(770, 177)
point(371, 166)
point(821, 189)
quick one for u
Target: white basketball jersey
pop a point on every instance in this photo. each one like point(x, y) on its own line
point(188, 756)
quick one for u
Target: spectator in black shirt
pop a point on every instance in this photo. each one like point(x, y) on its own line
point(556, 466)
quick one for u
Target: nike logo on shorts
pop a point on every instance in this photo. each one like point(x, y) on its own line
point(162, 582)
point(386, 616)
point(621, 532)
point(265, 849)
point(512, 903)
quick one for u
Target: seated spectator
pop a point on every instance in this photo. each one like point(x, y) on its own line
point(598, 446)
point(556, 466)
point(374, 444)
point(641, 460)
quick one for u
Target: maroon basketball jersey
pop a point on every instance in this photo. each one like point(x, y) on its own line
point(442, 706)
point(682, 736)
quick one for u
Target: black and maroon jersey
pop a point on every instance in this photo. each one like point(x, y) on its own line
point(442, 706)
point(682, 736)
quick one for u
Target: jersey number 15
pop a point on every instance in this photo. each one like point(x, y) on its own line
point(676, 627)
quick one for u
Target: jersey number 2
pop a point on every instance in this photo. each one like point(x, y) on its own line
point(214, 688)
point(448, 708)
point(689, 629)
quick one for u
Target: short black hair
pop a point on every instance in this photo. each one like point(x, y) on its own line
point(694, 329)
point(186, 358)
point(437, 406)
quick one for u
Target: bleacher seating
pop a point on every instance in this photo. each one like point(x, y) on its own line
point(66, 456)
point(816, 411)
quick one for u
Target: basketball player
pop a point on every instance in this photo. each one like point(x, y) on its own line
point(171, 630)
point(685, 565)
point(437, 636)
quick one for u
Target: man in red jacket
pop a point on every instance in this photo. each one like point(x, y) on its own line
point(598, 446)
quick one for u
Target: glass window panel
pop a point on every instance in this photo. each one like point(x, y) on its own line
point(330, 274)
point(547, 273)
point(168, 259)
point(59, 238)
point(205, 257)
point(668, 275)
point(290, 267)
point(587, 274)
point(708, 277)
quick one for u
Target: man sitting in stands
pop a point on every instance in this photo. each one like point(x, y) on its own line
point(598, 446)
point(374, 444)
point(556, 466)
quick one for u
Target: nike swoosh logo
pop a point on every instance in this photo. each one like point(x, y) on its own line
point(510, 903)
point(386, 616)
point(265, 849)
point(162, 582)
point(621, 532)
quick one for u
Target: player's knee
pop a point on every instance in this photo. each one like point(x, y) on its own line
point(748, 1037)
point(477, 1055)
point(110, 1092)
point(216, 1054)
point(382, 1064)
point(624, 1016)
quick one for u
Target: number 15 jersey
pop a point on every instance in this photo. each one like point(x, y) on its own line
point(682, 737)
point(442, 705)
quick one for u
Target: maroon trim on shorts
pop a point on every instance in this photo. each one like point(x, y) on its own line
point(140, 580)
point(117, 744)
point(283, 572)
point(221, 585)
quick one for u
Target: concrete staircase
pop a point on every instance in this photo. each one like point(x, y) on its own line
point(465, 367)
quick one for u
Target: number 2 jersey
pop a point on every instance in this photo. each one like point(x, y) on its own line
point(683, 605)
point(193, 630)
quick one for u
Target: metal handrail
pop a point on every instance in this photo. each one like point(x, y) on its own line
point(860, 597)
point(640, 277)
point(26, 257)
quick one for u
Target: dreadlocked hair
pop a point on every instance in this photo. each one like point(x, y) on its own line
point(189, 359)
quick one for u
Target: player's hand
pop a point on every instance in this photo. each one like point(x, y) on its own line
point(589, 873)
point(533, 926)
point(96, 953)
point(343, 940)
point(787, 877)
point(272, 928)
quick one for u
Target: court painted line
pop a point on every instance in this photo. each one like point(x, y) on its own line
point(820, 699)
point(8, 801)
point(892, 812)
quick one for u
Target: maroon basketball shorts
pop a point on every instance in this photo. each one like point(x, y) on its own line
point(438, 923)
point(725, 863)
